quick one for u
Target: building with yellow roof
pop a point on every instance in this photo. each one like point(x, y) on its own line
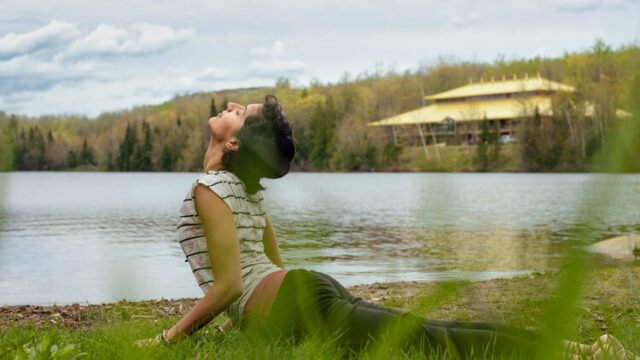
point(460, 111)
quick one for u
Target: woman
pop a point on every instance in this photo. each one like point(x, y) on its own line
point(231, 247)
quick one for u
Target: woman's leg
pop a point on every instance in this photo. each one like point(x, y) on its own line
point(311, 303)
point(509, 330)
point(346, 295)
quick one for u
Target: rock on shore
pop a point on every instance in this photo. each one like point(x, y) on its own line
point(625, 247)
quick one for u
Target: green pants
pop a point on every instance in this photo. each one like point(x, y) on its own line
point(310, 303)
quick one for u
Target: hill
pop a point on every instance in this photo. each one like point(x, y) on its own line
point(330, 122)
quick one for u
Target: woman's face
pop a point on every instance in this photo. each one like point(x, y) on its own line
point(224, 126)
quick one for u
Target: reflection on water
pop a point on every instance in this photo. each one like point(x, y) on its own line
point(74, 237)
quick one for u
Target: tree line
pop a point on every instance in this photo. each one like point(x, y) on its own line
point(330, 119)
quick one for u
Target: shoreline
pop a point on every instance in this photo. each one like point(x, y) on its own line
point(607, 304)
point(500, 299)
point(77, 316)
point(80, 316)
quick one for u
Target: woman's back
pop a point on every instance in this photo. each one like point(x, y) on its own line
point(250, 224)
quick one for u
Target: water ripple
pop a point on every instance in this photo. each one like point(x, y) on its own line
point(104, 236)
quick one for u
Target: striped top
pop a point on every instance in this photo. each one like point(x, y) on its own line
point(250, 223)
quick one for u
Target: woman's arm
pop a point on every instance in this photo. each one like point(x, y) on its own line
point(224, 254)
point(270, 243)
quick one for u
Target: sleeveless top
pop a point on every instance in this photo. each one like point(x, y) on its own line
point(250, 224)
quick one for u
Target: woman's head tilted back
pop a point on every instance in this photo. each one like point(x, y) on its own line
point(265, 146)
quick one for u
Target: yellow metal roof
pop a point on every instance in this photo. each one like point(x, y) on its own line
point(508, 108)
point(501, 87)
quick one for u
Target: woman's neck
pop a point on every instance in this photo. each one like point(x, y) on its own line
point(213, 157)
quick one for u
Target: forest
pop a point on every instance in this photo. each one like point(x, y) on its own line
point(330, 122)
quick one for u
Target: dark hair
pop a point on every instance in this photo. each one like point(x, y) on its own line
point(266, 147)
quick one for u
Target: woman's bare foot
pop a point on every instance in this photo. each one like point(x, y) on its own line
point(609, 347)
point(606, 347)
point(577, 350)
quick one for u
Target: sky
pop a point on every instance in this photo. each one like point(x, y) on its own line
point(86, 57)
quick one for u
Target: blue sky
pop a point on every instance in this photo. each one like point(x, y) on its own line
point(85, 57)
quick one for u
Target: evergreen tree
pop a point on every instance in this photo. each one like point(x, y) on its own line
point(543, 146)
point(33, 154)
point(72, 160)
point(42, 153)
point(391, 153)
point(136, 159)
point(302, 154)
point(213, 110)
point(145, 151)
point(323, 123)
point(167, 158)
point(225, 104)
point(19, 152)
point(110, 165)
point(370, 158)
point(127, 148)
point(86, 154)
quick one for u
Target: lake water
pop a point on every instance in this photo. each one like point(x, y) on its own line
point(100, 237)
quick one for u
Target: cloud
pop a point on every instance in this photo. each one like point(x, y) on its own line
point(206, 76)
point(353, 35)
point(271, 62)
point(214, 73)
point(467, 20)
point(48, 37)
point(592, 5)
point(275, 68)
point(278, 49)
point(60, 52)
point(140, 39)
point(65, 40)
point(28, 74)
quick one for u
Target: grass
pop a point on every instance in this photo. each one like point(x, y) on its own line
point(609, 303)
point(459, 158)
point(579, 302)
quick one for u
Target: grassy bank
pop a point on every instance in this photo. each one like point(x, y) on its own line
point(610, 303)
point(458, 158)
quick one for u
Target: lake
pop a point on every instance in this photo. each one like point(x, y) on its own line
point(100, 237)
